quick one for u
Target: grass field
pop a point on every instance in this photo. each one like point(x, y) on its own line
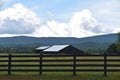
point(59, 75)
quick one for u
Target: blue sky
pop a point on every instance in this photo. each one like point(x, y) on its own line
point(98, 17)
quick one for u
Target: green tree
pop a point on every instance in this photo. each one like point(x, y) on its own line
point(114, 48)
point(118, 40)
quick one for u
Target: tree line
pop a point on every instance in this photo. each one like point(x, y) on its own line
point(17, 49)
point(114, 48)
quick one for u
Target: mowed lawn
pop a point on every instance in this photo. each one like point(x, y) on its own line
point(59, 75)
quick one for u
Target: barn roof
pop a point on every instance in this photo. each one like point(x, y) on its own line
point(55, 48)
point(42, 47)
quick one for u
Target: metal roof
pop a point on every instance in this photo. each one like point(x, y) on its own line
point(42, 47)
point(55, 48)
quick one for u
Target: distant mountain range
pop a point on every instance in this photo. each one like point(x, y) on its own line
point(101, 41)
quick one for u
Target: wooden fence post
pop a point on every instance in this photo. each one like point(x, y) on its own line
point(9, 64)
point(74, 65)
point(105, 64)
point(40, 64)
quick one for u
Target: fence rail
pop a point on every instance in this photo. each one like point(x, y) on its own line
point(59, 63)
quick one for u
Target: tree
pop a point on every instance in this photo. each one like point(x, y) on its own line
point(114, 48)
point(118, 40)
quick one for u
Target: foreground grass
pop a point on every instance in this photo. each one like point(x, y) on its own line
point(62, 76)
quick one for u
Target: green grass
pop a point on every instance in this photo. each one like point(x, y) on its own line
point(61, 76)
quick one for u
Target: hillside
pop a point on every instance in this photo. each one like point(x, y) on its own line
point(101, 41)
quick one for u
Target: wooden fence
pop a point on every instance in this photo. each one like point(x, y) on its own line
point(59, 63)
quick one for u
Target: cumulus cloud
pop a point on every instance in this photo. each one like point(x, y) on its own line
point(81, 24)
point(116, 30)
point(18, 20)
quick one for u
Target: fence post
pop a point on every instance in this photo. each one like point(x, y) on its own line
point(74, 65)
point(40, 64)
point(9, 64)
point(105, 64)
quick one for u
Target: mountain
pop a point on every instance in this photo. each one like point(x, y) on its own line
point(101, 41)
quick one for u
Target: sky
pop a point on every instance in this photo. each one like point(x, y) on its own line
point(59, 18)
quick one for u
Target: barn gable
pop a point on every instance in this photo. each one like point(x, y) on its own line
point(62, 49)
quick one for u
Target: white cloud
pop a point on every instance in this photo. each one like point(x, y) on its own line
point(107, 13)
point(81, 24)
point(116, 30)
point(18, 20)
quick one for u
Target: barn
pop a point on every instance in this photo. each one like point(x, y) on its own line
point(62, 49)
